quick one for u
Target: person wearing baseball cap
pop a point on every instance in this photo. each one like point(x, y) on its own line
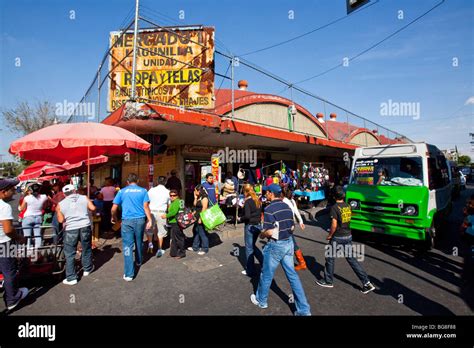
point(73, 211)
point(8, 235)
point(278, 226)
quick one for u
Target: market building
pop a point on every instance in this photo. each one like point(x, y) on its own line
point(259, 122)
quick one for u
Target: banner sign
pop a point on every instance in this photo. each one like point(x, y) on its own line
point(174, 65)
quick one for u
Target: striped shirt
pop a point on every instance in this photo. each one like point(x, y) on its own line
point(279, 214)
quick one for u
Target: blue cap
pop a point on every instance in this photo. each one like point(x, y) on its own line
point(272, 188)
point(7, 183)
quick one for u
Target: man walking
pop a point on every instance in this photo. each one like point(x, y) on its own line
point(73, 211)
point(159, 201)
point(8, 235)
point(136, 216)
point(278, 225)
point(340, 238)
point(210, 188)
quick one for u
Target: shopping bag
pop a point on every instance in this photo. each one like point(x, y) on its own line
point(212, 217)
point(186, 218)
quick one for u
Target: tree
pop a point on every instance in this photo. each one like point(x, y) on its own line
point(24, 119)
point(464, 160)
point(10, 169)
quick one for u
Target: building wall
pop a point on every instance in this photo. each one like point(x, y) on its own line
point(276, 115)
point(162, 165)
point(360, 139)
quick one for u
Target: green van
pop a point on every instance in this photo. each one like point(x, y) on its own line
point(402, 190)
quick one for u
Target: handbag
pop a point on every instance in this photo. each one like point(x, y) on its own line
point(186, 218)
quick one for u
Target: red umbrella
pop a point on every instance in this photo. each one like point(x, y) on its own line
point(41, 168)
point(36, 170)
point(74, 142)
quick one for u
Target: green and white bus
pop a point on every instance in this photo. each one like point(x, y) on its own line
point(402, 190)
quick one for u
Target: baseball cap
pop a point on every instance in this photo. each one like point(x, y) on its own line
point(68, 188)
point(272, 188)
point(7, 183)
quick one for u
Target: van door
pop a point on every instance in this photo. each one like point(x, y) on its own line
point(439, 183)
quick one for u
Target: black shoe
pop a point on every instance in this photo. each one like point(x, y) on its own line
point(324, 284)
point(367, 288)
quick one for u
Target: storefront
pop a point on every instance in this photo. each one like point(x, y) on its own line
point(252, 139)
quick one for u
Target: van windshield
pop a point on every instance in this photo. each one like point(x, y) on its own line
point(388, 171)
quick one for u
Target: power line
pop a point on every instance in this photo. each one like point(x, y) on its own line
point(374, 45)
point(307, 33)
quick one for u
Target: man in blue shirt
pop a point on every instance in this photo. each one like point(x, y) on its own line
point(135, 205)
point(210, 188)
point(278, 227)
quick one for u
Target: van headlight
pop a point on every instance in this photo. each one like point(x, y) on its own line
point(354, 203)
point(410, 210)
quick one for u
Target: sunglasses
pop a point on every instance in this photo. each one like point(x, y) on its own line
point(173, 195)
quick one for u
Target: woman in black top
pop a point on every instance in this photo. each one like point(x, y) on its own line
point(200, 240)
point(252, 218)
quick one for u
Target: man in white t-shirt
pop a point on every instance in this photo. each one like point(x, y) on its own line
point(8, 235)
point(159, 201)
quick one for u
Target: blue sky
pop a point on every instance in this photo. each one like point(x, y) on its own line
point(59, 56)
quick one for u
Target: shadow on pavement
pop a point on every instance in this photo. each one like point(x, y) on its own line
point(409, 298)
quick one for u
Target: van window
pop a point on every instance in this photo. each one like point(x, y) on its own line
point(438, 175)
point(388, 171)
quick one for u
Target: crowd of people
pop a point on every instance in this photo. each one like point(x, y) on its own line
point(153, 216)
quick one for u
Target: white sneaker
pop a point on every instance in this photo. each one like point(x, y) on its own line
point(128, 279)
point(190, 249)
point(202, 252)
point(244, 272)
point(85, 273)
point(253, 299)
point(70, 282)
point(24, 293)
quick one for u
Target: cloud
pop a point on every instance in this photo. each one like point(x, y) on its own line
point(469, 101)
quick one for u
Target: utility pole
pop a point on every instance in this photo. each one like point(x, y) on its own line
point(135, 41)
point(98, 92)
point(232, 79)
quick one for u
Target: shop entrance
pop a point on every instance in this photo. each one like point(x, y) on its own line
point(192, 178)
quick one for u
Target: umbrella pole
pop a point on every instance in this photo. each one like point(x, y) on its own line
point(88, 172)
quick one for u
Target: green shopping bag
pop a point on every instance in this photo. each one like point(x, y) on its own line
point(212, 217)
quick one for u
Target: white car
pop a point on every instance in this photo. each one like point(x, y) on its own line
point(462, 178)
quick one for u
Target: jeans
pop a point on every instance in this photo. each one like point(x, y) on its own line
point(132, 236)
point(70, 247)
point(30, 223)
point(8, 267)
point(200, 238)
point(57, 227)
point(274, 254)
point(330, 260)
point(251, 250)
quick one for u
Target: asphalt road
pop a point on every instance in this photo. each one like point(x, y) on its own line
point(408, 283)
